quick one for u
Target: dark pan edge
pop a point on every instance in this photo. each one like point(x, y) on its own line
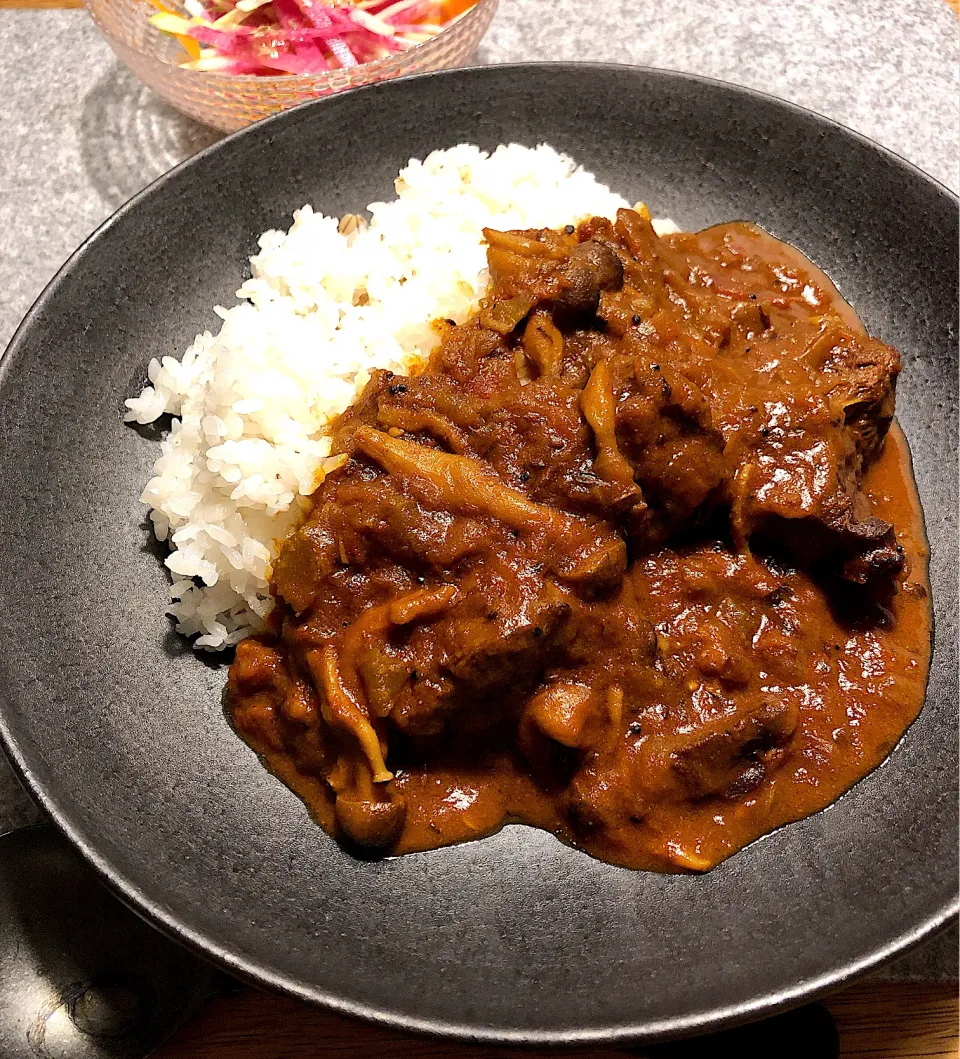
point(134, 897)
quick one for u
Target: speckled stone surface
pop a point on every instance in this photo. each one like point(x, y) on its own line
point(78, 134)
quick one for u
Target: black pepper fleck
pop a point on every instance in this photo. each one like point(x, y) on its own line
point(569, 229)
point(398, 389)
point(637, 319)
point(780, 595)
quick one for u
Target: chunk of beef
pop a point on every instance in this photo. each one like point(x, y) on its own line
point(726, 757)
point(472, 667)
point(666, 432)
point(729, 759)
point(818, 516)
point(542, 268)
point(798, 477)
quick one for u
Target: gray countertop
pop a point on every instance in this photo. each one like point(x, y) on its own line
point(79, 135)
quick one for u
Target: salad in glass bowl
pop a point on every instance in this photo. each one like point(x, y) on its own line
point(230, 62)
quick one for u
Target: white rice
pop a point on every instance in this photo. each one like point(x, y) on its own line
point(253, 403)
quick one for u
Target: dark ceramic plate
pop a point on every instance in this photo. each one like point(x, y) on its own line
point(118, 728)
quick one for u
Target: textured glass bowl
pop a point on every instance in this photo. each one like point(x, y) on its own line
point(229, 101)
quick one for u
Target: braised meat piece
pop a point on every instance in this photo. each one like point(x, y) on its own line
point(471, 666)
point(660, 426)
point(543, 268)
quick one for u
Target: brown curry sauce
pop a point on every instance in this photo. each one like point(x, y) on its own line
point(618, 565)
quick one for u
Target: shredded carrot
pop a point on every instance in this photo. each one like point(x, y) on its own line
point(454, 8)
point(189, 45)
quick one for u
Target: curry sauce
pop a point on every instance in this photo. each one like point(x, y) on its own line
point(636, 560)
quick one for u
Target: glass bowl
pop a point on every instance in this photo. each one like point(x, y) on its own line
point(230, 101)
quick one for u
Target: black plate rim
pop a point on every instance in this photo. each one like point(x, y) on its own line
point(167, 922)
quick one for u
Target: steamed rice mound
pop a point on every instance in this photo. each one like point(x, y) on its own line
point(252, 405)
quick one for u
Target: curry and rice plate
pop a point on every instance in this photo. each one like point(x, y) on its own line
point(523, 507)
